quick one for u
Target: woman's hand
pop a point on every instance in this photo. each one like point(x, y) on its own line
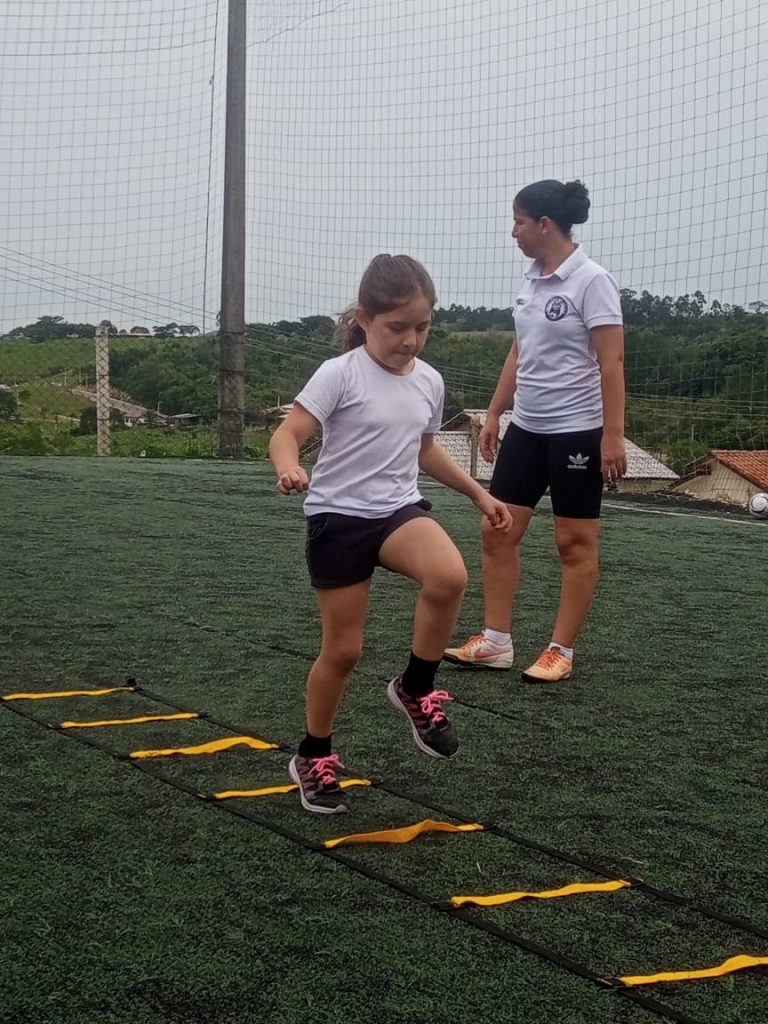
point(613, 458)
point(488, 441)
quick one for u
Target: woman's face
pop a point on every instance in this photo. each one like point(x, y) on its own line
point(527, 232)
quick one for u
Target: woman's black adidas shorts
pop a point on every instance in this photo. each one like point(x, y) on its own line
point(567, 464)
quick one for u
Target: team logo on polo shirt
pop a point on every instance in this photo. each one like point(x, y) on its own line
point(556, 308)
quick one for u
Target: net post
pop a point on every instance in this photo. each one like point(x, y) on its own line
point(103, 440)
point(232, 332)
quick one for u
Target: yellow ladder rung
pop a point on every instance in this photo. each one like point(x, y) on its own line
point(742, 962)
point(214, 747)
point(231, 794)
point(129, 721)
point(403, 835)
point(51, 694)
point(575, 889)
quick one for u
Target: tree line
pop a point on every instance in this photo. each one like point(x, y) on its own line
point(50, 328)
point(696, 371)
point(640, 310)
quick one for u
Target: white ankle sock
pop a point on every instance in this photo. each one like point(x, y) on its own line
point(567, 651)
point(501, 639)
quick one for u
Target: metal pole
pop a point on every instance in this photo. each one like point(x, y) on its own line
point(232, 325)
point(474, 434)
point(102, 391)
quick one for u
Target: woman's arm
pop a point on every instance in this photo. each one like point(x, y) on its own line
point(608, 342)
point(505, 388)
point(297, 427)
point(488, 440)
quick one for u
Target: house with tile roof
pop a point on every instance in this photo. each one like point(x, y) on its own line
point(728, 476)
point(458, 437)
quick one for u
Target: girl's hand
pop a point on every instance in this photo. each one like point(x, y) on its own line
point(293, 479)
point(495, 511)
point(613, 459)
point(488, 440)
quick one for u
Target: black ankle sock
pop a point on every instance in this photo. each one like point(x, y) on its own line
point(315, 746)
point(419, 677)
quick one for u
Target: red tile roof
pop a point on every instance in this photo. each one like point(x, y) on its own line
point(753, 466)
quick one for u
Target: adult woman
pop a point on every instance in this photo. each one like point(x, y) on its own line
point(565, 375)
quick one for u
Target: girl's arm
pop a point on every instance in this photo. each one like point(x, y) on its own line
point(502, 400)
point(608, 342)
point(297, 427)
point(437, 463)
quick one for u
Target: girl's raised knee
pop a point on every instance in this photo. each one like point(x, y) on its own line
point(448, 584)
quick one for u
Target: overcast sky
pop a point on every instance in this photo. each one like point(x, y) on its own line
point(373, 125)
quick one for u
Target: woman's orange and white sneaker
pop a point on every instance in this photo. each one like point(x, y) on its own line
point(550, 667)
point(480, 652)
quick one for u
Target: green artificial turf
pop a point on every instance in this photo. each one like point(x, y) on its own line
point(131, 902)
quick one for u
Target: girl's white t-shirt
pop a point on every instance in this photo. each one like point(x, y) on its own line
point(558, 386)
point(373, 422)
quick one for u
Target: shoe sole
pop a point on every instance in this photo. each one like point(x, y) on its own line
point(397, 704)
point(340, 809)
point(482, 665)
point(537, 679)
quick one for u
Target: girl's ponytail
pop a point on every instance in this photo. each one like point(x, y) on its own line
point(348, 333)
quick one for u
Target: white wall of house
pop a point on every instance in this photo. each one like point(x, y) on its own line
point(721, 485)
point(642, 485)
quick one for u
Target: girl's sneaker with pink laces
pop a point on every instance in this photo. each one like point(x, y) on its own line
point(432, 731)
point(317, 779)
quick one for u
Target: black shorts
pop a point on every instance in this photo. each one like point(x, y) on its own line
point(344, 550)
point(567, 464)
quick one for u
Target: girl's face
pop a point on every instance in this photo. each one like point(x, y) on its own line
point(395, 338)
point(528, 233)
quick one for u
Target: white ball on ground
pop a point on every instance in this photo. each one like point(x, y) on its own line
point(758, 505)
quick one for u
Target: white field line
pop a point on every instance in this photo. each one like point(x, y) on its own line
point(684, 515)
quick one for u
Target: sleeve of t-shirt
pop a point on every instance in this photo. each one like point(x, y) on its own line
point(602, 302)
point(439, 401)
point(322, 392)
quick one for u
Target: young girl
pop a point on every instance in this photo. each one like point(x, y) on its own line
point(565, 373)
point(379, 407)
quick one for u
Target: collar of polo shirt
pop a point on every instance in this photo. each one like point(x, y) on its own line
point(566, 268)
